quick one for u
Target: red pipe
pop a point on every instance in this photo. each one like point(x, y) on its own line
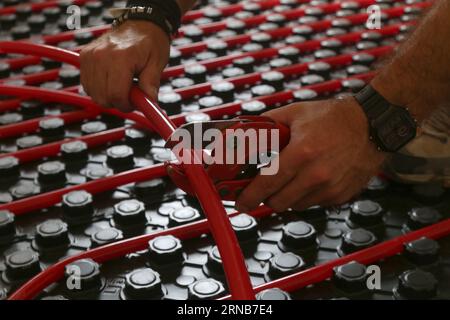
point(16, 63)
point(290, 283)
point(286, 31)
point(52, 149)
point(69, 98)
point(290, 70)
point(231, 9)
point(35, 78)
point(12, 104)
point(221, 62)
point(98, 30)
point(178, 70)
point(32, 125)
point(166, 129)
point(288, 14)
point(8, 105)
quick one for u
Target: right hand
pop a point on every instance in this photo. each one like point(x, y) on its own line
point(329, 158)
point(109, 64)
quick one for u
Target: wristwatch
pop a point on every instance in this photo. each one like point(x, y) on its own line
point(390, 126)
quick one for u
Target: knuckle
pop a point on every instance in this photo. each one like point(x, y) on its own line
point(332, 195)
point(321, 176)
point(265, 186)
point(118, 101)
point(284, 171)
point(100, 53)
point(116, 95)
point(308, 153)
point(85, 86)
point(303, 206)
point(269, 113)
point(341, 199)
point(276, 205)
point(85, 59)
point(122, 52)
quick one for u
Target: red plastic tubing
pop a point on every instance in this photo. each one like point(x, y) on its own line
point(207, 28)
point(96, 139)
point(189, 16)
point(231, 9)
point(289, 283)
point(28, 126)
point(65, 97)
point(210, 64)
point(235, 269)
point(286, 31)
point(188, 92)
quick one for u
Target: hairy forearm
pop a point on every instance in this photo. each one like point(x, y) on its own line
point(186, 5)
point(418, 76)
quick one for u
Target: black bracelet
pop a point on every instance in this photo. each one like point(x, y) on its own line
point(151, 14)
point(169, 8)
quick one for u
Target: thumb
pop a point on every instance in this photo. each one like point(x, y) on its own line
point(149, 80)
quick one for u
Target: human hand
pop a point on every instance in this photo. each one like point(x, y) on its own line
point(328, 160)
point(109, 64)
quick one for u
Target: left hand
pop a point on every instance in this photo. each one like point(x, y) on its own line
point(328, 160)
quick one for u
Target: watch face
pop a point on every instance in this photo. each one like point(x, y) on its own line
point(394, 129)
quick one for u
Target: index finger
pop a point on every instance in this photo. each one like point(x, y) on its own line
point(263, 186)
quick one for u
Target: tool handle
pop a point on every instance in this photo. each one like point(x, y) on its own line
point(284, 131)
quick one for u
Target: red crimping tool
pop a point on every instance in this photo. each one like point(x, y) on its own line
point(251, 138)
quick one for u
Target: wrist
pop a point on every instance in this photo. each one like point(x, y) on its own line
point(391, 127)
point(395, 85)
point(167, 11)
point(355, 116)
point(403, 87)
